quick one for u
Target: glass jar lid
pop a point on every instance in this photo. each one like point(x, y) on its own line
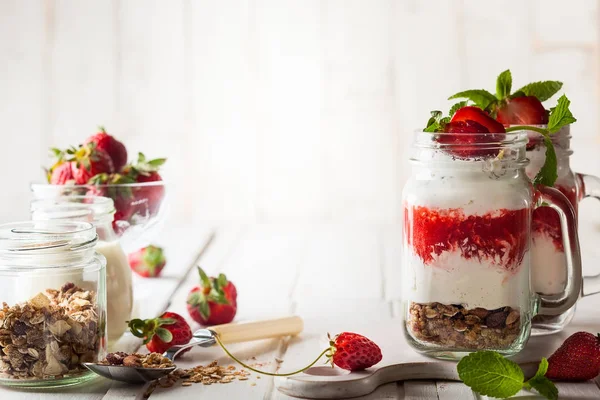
point(45, 237)
point(72, 207)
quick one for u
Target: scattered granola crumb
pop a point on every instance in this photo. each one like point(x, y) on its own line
point(186, 384)
point(253, 384)
point(278, 360)
point(257, 376)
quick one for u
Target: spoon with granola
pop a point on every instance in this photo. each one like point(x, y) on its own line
point(141, 368)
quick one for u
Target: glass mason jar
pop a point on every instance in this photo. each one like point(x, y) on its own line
point(466, 247)
point(99, 211)
point(548, 260)
point(52, 286)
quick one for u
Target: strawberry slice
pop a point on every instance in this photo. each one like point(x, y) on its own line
point(469, 131)
point(525, 110)
point(476, 114)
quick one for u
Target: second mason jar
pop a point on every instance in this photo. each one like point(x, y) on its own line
point(548, 260)
point(99, 211)
point(467, 212)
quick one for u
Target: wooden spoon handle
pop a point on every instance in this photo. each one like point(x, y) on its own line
point(256, 330)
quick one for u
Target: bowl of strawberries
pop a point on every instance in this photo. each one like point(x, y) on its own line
point(100, 167)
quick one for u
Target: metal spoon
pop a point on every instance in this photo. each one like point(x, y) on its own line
point(229, 333)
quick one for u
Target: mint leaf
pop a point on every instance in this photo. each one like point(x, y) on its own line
point(480, 97)
point(548, 173)
point(437, 122)
point(490, 374)
point(456, 107)
point(542, 384)
point(542, 90)
point(503, 85)
point(560, 115)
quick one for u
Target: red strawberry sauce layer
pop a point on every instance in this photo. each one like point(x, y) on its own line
point(547, 222)
point(499, 236)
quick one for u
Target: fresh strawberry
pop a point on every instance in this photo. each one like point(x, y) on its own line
point(214, 301)
point(353, 352)
point(61, 174)
point(115, 186)
point(525, 110)
point(115, 149)
point(577, 359)
point(472, 113)
point(147, 262)
point(88, 161)
point(149, 198)
point(468, 132)
point(159, 334)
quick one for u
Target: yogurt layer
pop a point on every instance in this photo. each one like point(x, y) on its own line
point(548, 266)
point(451, 279)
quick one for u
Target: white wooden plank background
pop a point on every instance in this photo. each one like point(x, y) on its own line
point(274, 111)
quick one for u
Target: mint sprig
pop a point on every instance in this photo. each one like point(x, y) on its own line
point(479, 97)
point(542, 384)
point(490, 374)
point(485, 100)
point(503, 84)
point(542, 90)
point(436, 122)
point(560, 115)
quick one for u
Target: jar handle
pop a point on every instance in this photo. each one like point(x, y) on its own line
point(558, 303)
point(589, 186)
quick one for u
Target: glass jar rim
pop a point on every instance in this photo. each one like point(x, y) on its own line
point(73, 207)
point(45, 237)
point(500, 149)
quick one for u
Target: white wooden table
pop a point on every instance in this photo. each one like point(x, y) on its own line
point(337, 277)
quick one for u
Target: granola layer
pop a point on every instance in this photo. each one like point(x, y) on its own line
point(453, 326)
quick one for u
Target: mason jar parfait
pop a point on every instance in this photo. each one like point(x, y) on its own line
point(467, 211)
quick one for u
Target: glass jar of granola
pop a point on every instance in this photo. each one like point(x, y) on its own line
point(53, 294)
point(467, 231)
point(548, 260)
point(99, 211)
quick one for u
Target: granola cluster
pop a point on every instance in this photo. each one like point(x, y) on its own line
point(48, 336)
point(451, 325)
point(152, 360)
point(207, 375)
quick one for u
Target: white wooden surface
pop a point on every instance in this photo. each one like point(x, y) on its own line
point(337, 277)
point(269, 110)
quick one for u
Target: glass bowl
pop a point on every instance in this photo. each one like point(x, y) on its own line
point(140, 207)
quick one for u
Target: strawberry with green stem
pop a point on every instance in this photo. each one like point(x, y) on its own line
point(349, 351)
point(115, 149)
point(147, 262)
point(148, 197)
point(160, 334)
point(214, 301)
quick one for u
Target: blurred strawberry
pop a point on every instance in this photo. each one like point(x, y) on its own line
point(61, 173)
point(161, 333)
point(147, 262)
point(88, 161)
point(214, 301)
point(115, 149)
point(525, 110)
point(148, 198)
point(107, 185)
